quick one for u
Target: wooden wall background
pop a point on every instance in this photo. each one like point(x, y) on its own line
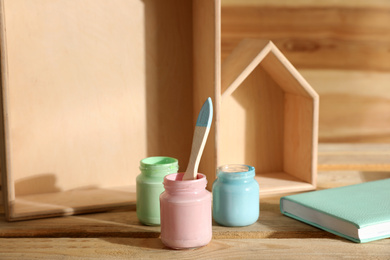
point(341, 47)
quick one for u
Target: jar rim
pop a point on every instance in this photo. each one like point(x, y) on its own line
point(157, 161)
point(236, 171)
point(235, 168)
point(174, 180)
point(159, 164)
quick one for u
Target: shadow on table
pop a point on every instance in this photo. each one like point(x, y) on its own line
point(281, 226)
point(150, 243)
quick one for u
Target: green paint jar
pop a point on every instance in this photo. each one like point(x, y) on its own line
point(150, 186)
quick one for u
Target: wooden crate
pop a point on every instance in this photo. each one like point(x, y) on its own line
point(268, 118)
point(91, 87)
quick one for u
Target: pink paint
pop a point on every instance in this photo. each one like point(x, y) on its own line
point(185, 212)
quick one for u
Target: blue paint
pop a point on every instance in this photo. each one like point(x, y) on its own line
point(206, 114)
point(236, 196)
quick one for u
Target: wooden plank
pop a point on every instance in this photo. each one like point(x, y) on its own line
point(300, 137)
point(168, 85)
point(240, 63)
point(273, 183)
point(359, 157)
point(125, 223)
point(353, 105)
point(116, 223)
point(344, 178)
point(114, 247)
point(285, 74)
point(68, 119)
point(207, 72)
point(72, 202)
point(304, 3)
point(252, 52)
point(336, 35)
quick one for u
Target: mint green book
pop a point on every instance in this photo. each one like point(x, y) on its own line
point(360, 212)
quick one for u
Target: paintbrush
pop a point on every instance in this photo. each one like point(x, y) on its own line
point(201, 132)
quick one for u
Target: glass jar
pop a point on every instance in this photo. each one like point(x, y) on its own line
point(186, 220)
point(150, 186)
point(236, 195)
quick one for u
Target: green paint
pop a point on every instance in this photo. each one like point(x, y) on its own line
point(150, 186)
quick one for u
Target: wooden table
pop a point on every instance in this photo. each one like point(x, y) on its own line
point(118, 234)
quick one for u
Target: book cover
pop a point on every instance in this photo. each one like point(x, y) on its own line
point(360, 212)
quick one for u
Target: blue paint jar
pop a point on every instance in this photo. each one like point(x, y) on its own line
point(236, 195)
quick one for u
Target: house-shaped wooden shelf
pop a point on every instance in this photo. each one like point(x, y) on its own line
point(268, 118)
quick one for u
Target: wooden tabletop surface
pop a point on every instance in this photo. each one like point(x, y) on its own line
point(118, 234)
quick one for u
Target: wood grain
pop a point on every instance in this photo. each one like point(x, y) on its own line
point(198, 143)
point(123, 248)
point(68, 115)
point(340, 47)
point(360, 157)
point(300, 137)
point(268, 116)
point(353, 105)
point(207, 72)
point(124, 223)
point(72, 202)
point(303, 3)
point(244, 114)
point(89, 88)
point(119, 234)
point(241, 62)
point(335, 35)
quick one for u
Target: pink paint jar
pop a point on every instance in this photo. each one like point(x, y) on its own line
point(185, 206)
